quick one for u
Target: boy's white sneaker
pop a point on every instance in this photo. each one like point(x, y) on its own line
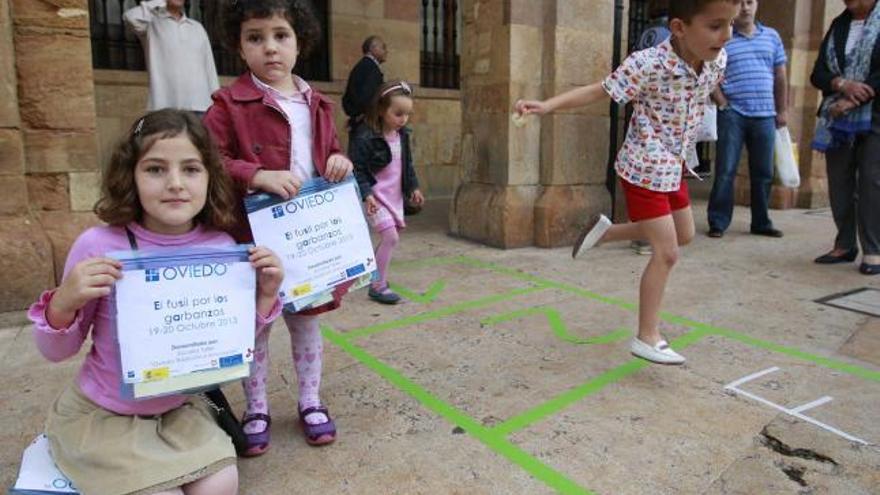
point(659, 353)
point(591, 234)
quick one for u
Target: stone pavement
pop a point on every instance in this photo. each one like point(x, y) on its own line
point(508, 372)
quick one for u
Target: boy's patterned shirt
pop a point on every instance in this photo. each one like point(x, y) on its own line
point(669, 101)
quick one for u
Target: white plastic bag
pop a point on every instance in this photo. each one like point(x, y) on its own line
point(708, 130)
point(785, 160)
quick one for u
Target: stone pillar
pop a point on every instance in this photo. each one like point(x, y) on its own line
point(500, 61)
point(25, 248)
point(578, 38)
point(13, 193)
point(812, 21)
point(536, 184)
point(48, 114)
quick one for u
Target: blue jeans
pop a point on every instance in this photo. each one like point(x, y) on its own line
point(758, 134)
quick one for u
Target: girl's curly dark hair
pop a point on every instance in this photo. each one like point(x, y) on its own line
point(119, 203)
point(299, 13)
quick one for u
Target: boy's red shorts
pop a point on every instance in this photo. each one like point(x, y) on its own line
point(645, 204)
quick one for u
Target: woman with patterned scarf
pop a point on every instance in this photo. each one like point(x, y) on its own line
point(848, 131)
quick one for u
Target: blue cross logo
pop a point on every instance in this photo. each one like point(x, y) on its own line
point(277, 211)
point(152, 275)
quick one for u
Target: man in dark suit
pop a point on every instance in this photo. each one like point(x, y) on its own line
point(364, 80)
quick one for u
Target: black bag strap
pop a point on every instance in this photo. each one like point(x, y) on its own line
point(216, 400)
point(214, 397)
point(132, 240)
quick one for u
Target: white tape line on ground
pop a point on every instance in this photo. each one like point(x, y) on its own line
point(796, 412)
point(751, 377)
point(811, 405)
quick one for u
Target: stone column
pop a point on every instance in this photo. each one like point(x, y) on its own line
point(25, 248)
point(812, 21)
point(578, 41)
point(536, 184)
point(501, 60)
point(53, 173)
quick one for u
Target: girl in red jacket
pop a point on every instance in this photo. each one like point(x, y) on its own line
point(275, 131)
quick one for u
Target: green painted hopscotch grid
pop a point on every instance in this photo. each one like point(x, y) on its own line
point(496, 437)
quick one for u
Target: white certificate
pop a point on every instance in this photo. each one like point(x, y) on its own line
point(320, 235)
point(184, 311)
point(38, 472)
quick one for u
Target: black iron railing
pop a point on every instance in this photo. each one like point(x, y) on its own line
point(440, 47)
point(115, 47)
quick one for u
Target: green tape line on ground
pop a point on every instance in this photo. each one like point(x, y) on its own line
point(467, 261)
point(701, 329)
point(494, 441)
point(570, 397)
point(440, 313)
point(495, 437)
point(560, 329)
point(426, 297)
point(795, 353)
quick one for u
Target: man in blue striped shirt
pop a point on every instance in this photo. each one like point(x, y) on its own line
point(752, 103)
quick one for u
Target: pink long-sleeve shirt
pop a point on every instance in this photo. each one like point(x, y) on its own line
point(100, 375)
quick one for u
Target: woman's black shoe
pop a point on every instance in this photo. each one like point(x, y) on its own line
point(830, 259)
point(867, 269)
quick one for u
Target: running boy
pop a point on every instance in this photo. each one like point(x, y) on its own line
point(669, 86)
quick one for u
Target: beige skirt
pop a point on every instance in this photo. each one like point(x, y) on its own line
point(104, 453)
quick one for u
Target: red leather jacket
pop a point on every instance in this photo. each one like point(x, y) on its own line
point(252, 133)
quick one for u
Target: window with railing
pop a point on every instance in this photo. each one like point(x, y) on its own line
point(441, 23)
point(116, 47)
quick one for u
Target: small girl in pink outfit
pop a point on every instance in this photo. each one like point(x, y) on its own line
point(383, 166)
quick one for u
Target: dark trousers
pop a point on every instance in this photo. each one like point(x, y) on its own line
point(758, 135)
point(854, 191)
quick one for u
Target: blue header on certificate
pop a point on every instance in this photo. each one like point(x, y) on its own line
point(159, 258)
point(258, 201)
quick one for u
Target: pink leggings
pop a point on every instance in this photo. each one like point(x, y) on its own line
point(390, 240)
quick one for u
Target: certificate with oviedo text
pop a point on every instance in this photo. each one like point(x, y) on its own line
point(185, 312)
point(320, 235)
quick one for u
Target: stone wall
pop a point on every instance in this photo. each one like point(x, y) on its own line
point(121, 96)
point(397, 21)
point(47, 141)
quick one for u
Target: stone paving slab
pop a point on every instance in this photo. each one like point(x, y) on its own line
point(509, 372)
